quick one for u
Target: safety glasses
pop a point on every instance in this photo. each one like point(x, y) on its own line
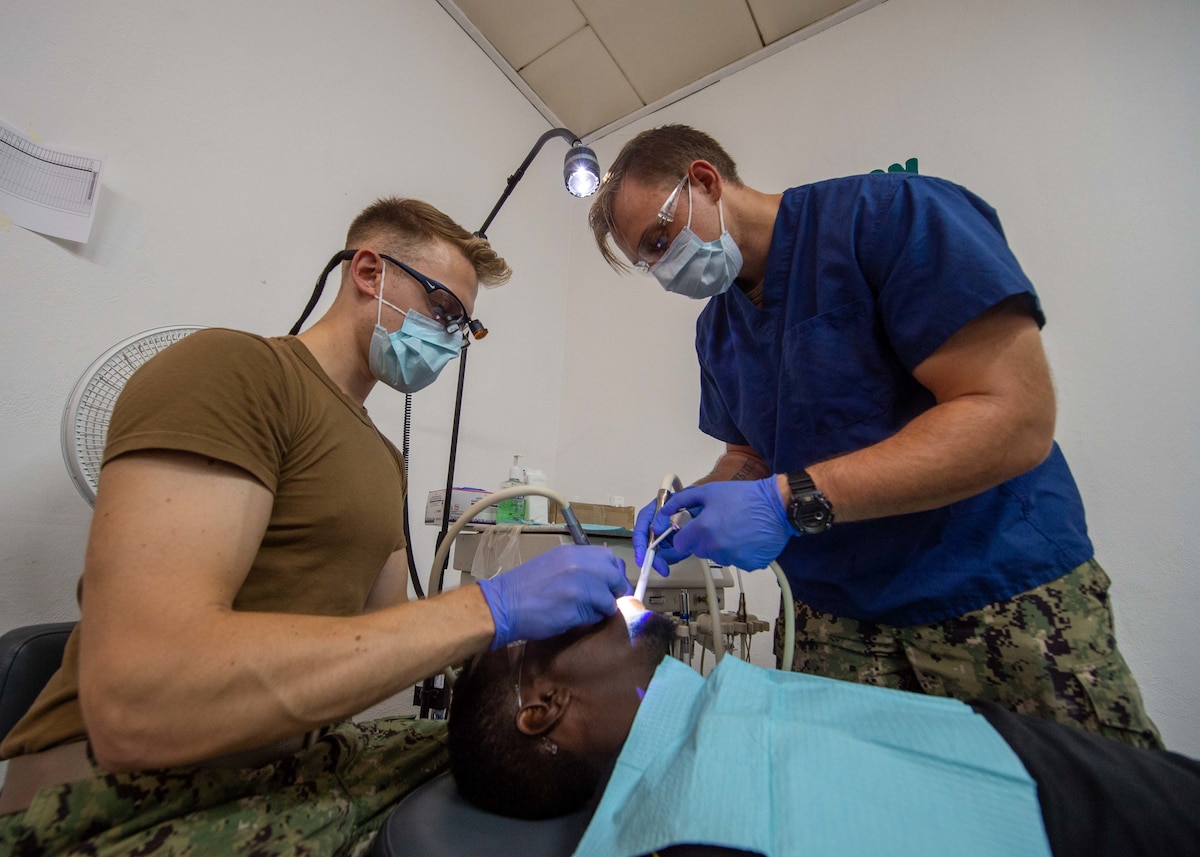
point(516, 664)
point(654, 242)
point(444, 306)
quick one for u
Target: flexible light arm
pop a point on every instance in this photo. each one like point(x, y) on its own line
point(578, 154)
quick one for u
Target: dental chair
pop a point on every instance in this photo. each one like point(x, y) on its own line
point(436, 821)
point(28, 657)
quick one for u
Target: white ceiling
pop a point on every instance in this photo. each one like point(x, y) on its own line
point(595, 65)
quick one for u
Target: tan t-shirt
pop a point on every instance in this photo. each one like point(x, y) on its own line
point(264, 405)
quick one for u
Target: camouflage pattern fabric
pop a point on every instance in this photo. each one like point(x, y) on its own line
point(328, 799)
point(1049, 652)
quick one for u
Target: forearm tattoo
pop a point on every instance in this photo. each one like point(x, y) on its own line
point(751, 469)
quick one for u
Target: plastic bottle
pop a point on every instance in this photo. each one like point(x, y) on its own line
point(537, 507)
point(512, 510)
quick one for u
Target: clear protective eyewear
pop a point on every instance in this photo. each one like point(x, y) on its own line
point(654, 241)
point(516, 664)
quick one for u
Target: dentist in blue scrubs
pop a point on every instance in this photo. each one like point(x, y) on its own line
point(870, 354)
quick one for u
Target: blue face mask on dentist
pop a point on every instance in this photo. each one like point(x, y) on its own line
point(411, 358)
point(695, 268)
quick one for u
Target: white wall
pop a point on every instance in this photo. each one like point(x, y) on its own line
point(1078, 121)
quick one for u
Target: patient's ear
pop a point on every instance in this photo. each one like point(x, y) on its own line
point(542, 714)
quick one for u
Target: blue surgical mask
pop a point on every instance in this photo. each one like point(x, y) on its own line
point(695, 268)
point(411, 358)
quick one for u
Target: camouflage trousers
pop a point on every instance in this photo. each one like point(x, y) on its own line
point(330, 798)
point(1049, 652)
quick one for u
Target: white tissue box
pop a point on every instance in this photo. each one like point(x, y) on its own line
point(460, 500)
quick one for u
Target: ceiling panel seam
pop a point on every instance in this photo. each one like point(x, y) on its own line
point(587, 25)
point(640, 95)
point(762, 40)
point(715, 77)
point(647, 108)
point(460, 18)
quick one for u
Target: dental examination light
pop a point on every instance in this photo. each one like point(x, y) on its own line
point(581, 171)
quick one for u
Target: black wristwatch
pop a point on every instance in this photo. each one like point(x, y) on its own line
point(808, 510)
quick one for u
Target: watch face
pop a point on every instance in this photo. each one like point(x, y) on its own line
point(817, 520)
point(811, 513)
point(808, 510)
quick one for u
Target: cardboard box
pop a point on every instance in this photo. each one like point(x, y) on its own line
point(596, 513)
point(460, 500)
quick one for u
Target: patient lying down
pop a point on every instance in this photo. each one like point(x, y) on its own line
point(757, 761)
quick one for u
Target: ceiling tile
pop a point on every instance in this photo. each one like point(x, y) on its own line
point(579, 81)
point(664, 45)
point(523, 30)
point(779, 18)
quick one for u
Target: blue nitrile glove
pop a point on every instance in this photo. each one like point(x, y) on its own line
point(566, 586)
point(744, 524)
point(665, 554)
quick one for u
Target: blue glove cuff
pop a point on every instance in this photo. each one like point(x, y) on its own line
point(493, 594)
point(770, 487)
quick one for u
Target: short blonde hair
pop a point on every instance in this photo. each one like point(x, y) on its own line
point(407, 225)
point(659, 156)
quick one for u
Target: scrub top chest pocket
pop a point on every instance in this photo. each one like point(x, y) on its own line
point(837, 370)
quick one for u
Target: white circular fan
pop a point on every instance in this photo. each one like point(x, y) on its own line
point(85, 420)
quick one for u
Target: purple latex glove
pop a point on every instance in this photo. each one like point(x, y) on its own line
point(566, 586)
point(665, 554)
point(744, 524)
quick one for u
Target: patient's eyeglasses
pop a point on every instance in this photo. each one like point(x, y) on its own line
point(516, 664)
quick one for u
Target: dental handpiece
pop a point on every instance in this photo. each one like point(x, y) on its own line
point(639, 591)
point(670, 484)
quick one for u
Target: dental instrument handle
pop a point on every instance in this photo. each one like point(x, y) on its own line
point(573, 525)
point(670, 484)
point(639, 591)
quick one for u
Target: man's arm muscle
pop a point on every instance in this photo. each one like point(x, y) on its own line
point(170, 674)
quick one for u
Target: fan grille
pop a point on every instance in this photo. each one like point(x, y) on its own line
point(85, 421)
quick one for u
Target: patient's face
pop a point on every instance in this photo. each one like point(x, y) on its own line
point(591, 680)
point(618, 651)
point(582, 688)
point(579, 694)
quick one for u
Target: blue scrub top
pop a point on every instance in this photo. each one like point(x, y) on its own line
point(866, 277)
